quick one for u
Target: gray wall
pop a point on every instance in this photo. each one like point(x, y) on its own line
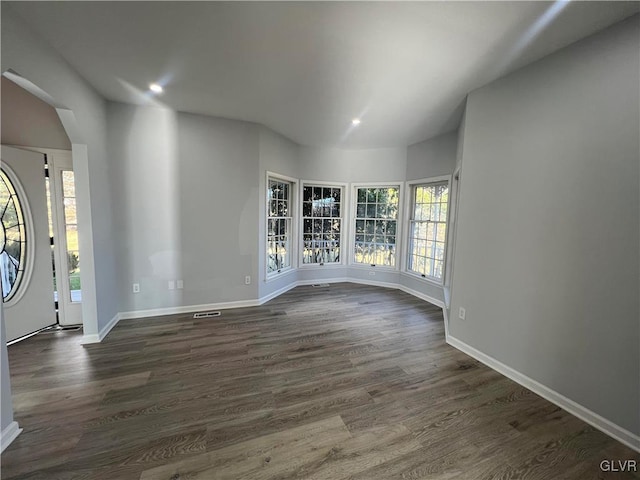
point(368, 165)
point(547, 256)
point(453, 218)
point(347, 166)
point(433, 157)
point(28, 121)
point(28, 55)
point(185, 200)
point(278, 155)
point(427, 159)
point(219, 194)
point(189, 204)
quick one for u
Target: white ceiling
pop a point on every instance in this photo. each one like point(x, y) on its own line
point(305, 69)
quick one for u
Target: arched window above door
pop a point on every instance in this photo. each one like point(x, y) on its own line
point(13, 238)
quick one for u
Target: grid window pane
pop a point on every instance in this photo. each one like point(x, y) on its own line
point(376, 217)
point(279, 225)
point(71, 227)
point(321, 222)
point(335, 210)
point(14, 242)
point(427, 230)
point(307, 194)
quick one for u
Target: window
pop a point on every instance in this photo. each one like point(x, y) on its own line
point(376, 225)
point(321, 224)
point(71, 229)
point(13, 240)
point(278, 224)
point(428, 229)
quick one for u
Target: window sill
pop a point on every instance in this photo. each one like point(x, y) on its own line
point(276, 275)
point(311, 266)
point(382, 268)
point(428, 280)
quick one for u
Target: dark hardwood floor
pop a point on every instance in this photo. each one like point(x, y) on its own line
point(346, 381)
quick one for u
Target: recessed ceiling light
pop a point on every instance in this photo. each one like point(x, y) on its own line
point(355, 121)
point(154, 87)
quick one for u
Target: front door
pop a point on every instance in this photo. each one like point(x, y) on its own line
point(27, 272)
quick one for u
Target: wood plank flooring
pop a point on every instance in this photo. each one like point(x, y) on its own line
point(339, 382)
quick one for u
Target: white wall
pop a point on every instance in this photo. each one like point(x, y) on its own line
point(6, 407)
point(28, 55)
point(547, 256)
point(185, 196)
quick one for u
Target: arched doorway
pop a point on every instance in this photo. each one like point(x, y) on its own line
point(79, 162)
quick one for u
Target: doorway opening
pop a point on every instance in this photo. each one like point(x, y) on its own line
point(42, 159)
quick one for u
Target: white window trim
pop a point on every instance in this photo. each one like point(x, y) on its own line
point(344, 228)
point(293, 202)
point(408, 200)
point(399, 224)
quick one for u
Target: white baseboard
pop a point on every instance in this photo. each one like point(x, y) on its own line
point(301, 283)
point(91, 338)
point(398, 286)
point(277, 293)
point(422, 296)
point(374, 283)
point(160, 312)
point(9, 434)
point(104, 331)
point(622, 435)
point(445, 314)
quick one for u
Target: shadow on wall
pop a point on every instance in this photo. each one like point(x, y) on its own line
point(143, 144)
point(186, 211)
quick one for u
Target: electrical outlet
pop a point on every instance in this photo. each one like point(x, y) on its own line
point(247, 280)
point(172, 285)
point(462, 313)
point(179, 284)
point(136, 288)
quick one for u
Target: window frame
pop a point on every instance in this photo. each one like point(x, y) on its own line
point(399, 224)
point(29, 255)
point(293, 224)
point(344, 227)
point(408, 220)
